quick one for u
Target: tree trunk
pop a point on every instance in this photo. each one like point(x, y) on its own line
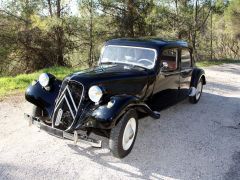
point(59, 36)
point(129, 23)
point(90, 58)
point(58, 4)
point(29, 64)
point(211, 41)
point(50, 7)
point(194, 34)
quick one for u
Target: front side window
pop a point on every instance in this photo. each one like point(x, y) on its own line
point(139, 56)
point(185, 59)
point(169, 57)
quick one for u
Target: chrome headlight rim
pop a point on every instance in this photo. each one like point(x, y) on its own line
point(44, 79)
point(95, 93)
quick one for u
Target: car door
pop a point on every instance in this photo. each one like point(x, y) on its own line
point(186, 71)
point(167, 81)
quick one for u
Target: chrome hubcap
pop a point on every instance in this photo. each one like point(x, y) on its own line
point(129, 133)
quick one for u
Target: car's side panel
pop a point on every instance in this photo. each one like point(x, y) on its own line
point(167, 81)
point(186, 74)
point(167, 85)
point(151, 84)
point(38, 96)
point(185, 78)
point(167, 92)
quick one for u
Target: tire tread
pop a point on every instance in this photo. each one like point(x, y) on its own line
point(115, 141)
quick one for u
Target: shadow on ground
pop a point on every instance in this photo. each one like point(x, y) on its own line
point(234, 173)
point(185, 143)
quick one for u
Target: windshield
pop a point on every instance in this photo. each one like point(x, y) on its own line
point(138, 56)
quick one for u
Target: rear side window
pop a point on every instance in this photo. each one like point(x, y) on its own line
point(169, 56)
point(185, 59)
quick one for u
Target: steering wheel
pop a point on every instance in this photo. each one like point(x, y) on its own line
point(146, 60)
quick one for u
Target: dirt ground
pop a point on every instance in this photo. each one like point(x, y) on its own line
point(199, 141)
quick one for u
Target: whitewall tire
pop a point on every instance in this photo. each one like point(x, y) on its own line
point(194, 99)
point(123, 135)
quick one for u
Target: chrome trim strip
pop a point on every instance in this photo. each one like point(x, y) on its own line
point(69, 107)
point(82, 91)
point(69, 92)
point(60, 97)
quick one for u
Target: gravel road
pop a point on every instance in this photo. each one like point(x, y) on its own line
point(199, 141)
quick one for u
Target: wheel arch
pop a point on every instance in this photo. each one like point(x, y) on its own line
point(196, 75)
point(138, 107)
point(107, 117)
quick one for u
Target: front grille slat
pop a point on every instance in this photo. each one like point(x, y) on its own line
point(69, 102)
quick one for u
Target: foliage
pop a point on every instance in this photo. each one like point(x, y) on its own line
point(36, 34)
point(15, 84)
point(216, 62)
point(233, 16)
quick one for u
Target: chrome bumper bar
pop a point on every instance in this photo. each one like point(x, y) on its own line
point(76, 137)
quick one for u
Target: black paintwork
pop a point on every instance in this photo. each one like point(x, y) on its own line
point(125, 85)
point(115, 79)
point(38, 96)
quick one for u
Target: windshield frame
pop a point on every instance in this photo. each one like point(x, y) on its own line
point(129, 63)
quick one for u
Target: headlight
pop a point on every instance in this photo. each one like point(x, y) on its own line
point(44, 79)
point(95, 93)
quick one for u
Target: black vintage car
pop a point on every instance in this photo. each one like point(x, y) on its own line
point(108, 99)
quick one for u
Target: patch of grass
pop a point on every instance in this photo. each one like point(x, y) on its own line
point(215, 62)
point(12, 85)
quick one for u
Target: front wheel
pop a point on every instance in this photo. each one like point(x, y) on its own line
point(123, 135)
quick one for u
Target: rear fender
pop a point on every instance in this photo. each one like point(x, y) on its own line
point(196, 75)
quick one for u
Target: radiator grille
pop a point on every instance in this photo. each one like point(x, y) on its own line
point(67, 105)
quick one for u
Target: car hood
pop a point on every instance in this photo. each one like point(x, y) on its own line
point(114, 79)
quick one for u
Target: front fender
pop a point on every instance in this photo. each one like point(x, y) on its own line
point(38, 96)
point(106, 116)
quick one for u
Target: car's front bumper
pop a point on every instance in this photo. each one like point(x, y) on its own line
point(76, 137)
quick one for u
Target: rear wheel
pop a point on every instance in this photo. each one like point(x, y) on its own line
point(194, 99)
point(123, 135)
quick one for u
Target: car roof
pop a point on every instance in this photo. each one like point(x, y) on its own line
point(156, 43)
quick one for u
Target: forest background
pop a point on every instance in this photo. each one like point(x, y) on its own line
point(37, 34)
